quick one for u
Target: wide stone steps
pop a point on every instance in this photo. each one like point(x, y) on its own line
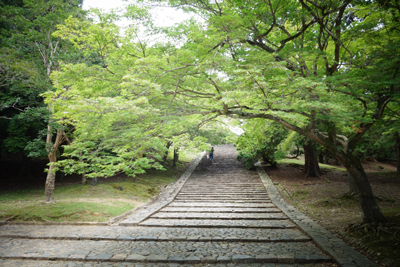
point(222, 199)
point(182, 252)
point(202, 195)
point(218, 223)
point(220, 216)
point(138, 233)
point(222, 205)
point(232, 201)
point(223, 193)
point(220, 210)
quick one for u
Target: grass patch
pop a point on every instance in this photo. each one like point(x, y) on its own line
point(66, 211)
point(300, 164)
point(99, 203)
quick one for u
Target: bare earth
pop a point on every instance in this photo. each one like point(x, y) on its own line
point(326, 199)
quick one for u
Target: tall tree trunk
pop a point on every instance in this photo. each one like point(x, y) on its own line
point(311, 166)
point(352, 185)
point(366, 199)
point(321, 157)
point(357, 178)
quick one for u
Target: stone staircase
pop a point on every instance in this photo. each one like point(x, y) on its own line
point(222, 216)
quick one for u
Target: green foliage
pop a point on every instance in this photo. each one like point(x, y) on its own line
point(260, 141)
point(29, 54)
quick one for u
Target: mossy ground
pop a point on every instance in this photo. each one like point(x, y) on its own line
point(77, 202)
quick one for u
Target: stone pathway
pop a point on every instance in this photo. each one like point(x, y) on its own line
point(219, 214)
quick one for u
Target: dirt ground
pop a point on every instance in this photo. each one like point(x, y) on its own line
point(326, 199)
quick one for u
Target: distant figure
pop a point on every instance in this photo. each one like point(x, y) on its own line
point(212, 153)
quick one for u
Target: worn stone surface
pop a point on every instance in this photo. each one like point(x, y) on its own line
point(217, 214)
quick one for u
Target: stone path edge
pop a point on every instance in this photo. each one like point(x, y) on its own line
point(164, 198)
point(343, 254)
point(170, 192)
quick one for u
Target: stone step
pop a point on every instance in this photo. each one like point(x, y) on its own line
point(220, 216)
point(222, 191)
point(242, 197)
point(220, 204)
point(162, 252)
point(216, 190)
point(221, 201)
point(178, 200)
point(127, 233)
point(200, 193)
point(217, 223)
point(222, 185)
point(236, 197)
point(221, 210)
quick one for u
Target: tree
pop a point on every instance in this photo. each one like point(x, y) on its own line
point(323, 70)
point(33, 26)
point(117, 98)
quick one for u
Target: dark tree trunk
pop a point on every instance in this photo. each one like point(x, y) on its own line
point(366, 199)
point(176, 157)
point(321, 157)
point(311, 166)
point(169, 143)
point(398, 151)
point(352, 185)
point(357, 178)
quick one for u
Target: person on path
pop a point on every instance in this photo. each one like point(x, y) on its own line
point(212, 154)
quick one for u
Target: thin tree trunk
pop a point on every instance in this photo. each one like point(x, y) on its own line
point(52, 150)
point(84, 172)
point(311, 166)
point(50, 180)
point(169, 143)
point(398, 151)
point(176, 157)
point(84, 177)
